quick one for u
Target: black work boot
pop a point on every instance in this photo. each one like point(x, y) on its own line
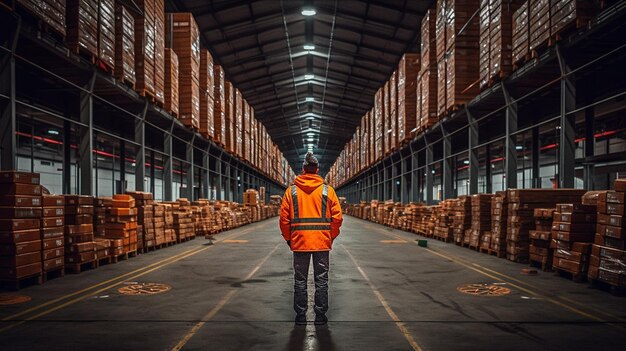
point(320, 319)
point(301, 319)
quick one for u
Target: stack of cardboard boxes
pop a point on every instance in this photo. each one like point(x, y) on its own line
point(540, 252)
point(79, 233)
point(183, 222)
point(52, 230)
point(462, 219)
point(480, 232)
point(20, 222)
point(121, 224)
point(499, 220)
point(572, 236)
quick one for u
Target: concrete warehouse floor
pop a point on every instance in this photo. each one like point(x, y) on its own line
point(387, 293)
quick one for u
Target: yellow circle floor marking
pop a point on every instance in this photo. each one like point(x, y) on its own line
point(484, 290)
point(231, 241)
point(393, 241)
point(10, 299)
point(144, 289)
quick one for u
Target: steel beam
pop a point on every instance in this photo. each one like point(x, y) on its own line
point(168, 165)
point(472, 152)
point(535, 151)
point(488, 187)
point(205, 174)
point(447, 186)
point(85, 149)
point(140, 157)
point(510, 160)
point(429, 173)
point(8, 121)
point(567, 136)
point(67, 158)
point(190, 173)
point(589, 170)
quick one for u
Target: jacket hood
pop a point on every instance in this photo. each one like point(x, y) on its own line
point(308, 182)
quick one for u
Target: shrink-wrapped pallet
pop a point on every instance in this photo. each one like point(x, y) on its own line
point(219, 114)
point(171, 82)
point(82, 27)
point(124, 45)
point(207, 126)
point(407, 96)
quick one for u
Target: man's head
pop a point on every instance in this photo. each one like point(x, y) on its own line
point(310, 164)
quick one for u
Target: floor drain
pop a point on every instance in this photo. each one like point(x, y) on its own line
point(144, 289)
point(484, 290)
point(9, 299)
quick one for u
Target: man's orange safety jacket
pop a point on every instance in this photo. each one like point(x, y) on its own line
point(310, 215)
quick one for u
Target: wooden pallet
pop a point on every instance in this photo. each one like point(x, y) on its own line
point(104, 261)
point(17, 284)
point(577, 277)
point(497, 253)
point(150, 96)
point(616, 290)
point(125, 81)
point(76, 268)
point(54, 273)
point(544, 266)
point(474, 248)
point(445, 240)
point(516, 258)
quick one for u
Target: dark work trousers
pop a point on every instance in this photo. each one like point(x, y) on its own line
point(321, 265)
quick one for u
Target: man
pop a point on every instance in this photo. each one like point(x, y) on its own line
point(310, 218)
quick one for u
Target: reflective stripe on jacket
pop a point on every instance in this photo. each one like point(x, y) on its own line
point(310, 214)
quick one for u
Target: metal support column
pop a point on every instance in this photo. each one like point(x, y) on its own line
point(67, 158)
point(122, 181)
point(205, 175)
point(535, 150)
point(140, 138)
point(85, 149)
point(567, 135)
point(510, 160)
point(168, 165)
point(152, 173)
point(472, 152)
point(447, 186)
point(488, 185)
point(589, 171)
point(192, 168)
point(8, 119)
point(429, 173)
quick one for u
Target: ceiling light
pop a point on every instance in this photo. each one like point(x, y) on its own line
point(310, 139)
point(308, 11)
point(309, 76)
point(309, 47)
point(310, 134)
point(466, 162)
point(519, 147)
point(53, 132)
point(309, 99)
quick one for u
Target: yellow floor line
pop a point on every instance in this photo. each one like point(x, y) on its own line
point(223, 302)
point(124, 276)
point(83, 297)
point(543, 296)
point(407, 335)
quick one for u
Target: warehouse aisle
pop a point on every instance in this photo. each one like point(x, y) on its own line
point(386, 294)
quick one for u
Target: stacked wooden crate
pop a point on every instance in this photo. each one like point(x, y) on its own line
point(457, 53)
point(159, 50)
point(230, 117)
point(20, 228)
point(480, 232)
point(124, 45)
point(379, 125)
point(219, 107)
point(522, 203)
point(159, 225)
point(170, 232)
point(171, 82)
point(427, 81)
point(239, 119)
point(121, 222)
point(79, 234)
point(51, 12)
point(609, 250)
point(207, 88)
point(144, 203)
point(52, 230)
point(496, 25)
point(539, 22)
point(183, 37)
point(101, 204)
point(443, 216)
point(82, 27)
point(540, 252)
point(147, 49)
point(406, 96)
point(183, 222)
point(572, 236)
point(462, 219)
point(521, 34)
point(499, 220)
point(567, 14)
point(106, 34)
